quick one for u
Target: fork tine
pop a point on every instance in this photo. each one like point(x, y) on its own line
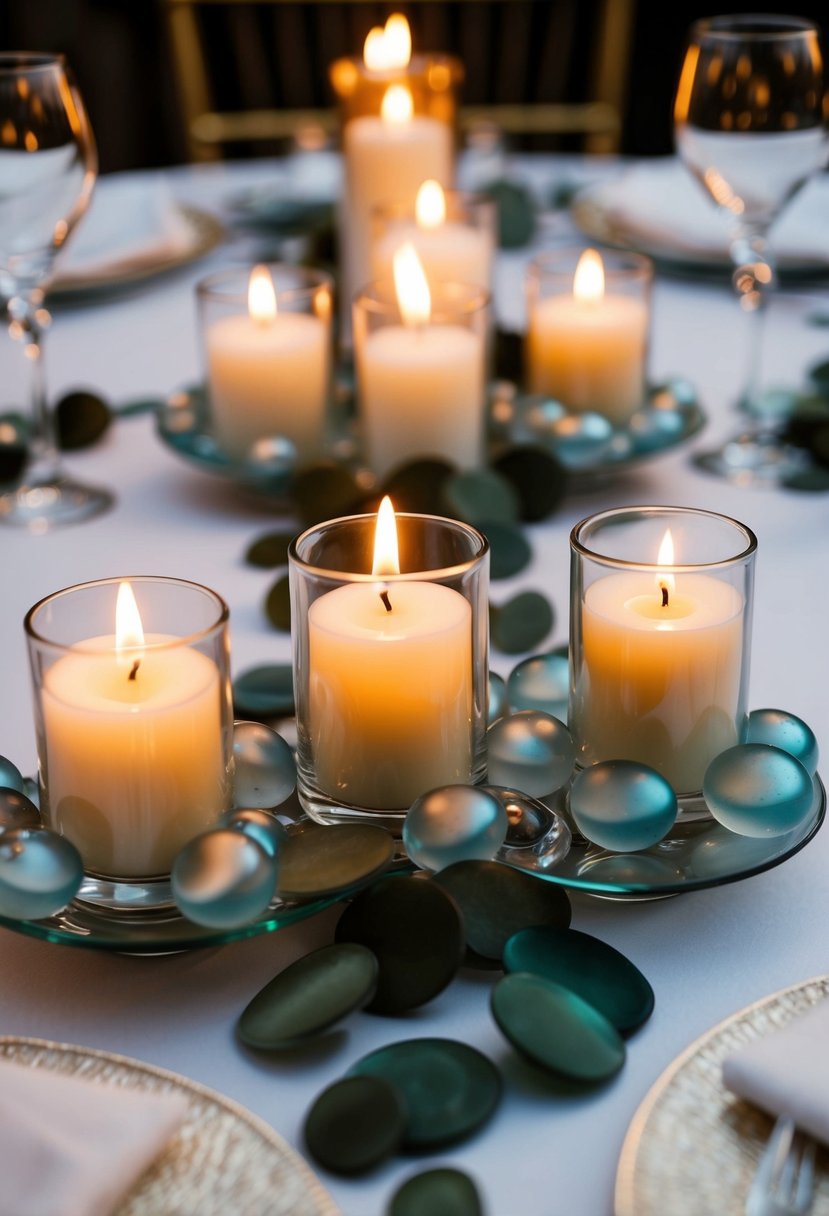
point(806, 1179)
point(775, 1155)
point(784, 1181)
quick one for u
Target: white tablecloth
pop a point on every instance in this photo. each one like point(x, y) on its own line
point(706, 954)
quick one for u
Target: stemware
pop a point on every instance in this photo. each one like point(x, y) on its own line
point(750, 125)
point(48, 166)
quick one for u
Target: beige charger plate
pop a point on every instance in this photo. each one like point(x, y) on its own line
point(693, 1147)
point(222, 1159)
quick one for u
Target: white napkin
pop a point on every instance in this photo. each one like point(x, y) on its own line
point(71, 1147)
point(659, 208)
point(787, 1072)
point(131, 220)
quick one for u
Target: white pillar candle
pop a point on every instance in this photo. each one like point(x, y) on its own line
point(661, 672)
point(268, 374)
point(387, 157)
point(390, 689)
point(449, 250)
point(421, 384)
point(134, 754)
point(588, 348)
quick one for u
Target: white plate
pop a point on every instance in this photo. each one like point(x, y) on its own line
point(657, 208)
point(692, 1147)
point(222, 1160)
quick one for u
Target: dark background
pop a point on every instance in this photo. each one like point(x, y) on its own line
point(120, 54)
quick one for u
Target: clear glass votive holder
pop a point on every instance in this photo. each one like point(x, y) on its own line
point(458, 248)
point(588, 321)
point(391, 671)
point(266, 336)
point(660, 639)
point(421, 387)
point(134, 722)
point(433, 80)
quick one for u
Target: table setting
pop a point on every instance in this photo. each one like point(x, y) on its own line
point(413, 645)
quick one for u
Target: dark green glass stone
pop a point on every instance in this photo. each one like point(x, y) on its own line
point(269, 550)
point(593, 970)
point(309, 996)
point(418, 485)
point(555, 1028)
point(278, 604)
point(521, 623)
point(415, 930)
point(355, 1124)
point(439, 1192)
point(316, 861)
point(264, 692)
point(449, 1088)
point(497, 901)
point(509, 549)
point(479, 494)
point(540, 480)
point(80, 419)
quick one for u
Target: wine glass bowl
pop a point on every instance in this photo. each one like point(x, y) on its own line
point(48, 166)
point(750, 125)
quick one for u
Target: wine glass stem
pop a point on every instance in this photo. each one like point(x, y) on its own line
point(753, 278)
point(44, 459)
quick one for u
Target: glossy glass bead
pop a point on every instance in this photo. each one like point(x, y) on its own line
point(17, 811)
point(261, 826)
point(758, 790)
point(781, 729)
point(272, 457)
point(40, 873)
point(454, 823)
point(11, 777)
point(497, 703)
point(651, 429)
point(223, 879)
point(265, 772)
point(580, 439)
point(541, 682)
point(622, 806)
point(530, 751)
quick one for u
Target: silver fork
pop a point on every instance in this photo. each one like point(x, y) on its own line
point(784, 1182)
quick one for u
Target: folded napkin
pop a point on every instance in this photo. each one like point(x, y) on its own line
point(73, 1147)
point(787, 1072)
point(660, 208)
point(130, 221)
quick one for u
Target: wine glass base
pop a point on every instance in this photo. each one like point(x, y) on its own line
point(753, 460)
point(53, 504)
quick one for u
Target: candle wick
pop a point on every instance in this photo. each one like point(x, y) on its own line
point(664, 591)
point(134, 670)
point(384, 596)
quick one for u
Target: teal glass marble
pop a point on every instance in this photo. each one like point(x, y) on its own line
point(542, 682)
point(651, 429)
point(223, 879)
point(445, 1191)
point(265, 772)
point(497, 703)
point(781, 729)
point(622, 806)
point(31, 789)
point(454, 823)
point(757, 790)
point(581, 439)
point(17, 811)
point(11, 777)
point(272, 457)
point(530, 751)
point(261, 826)
point(40, 873)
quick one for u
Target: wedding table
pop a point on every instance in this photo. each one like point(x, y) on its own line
point(548, 1150)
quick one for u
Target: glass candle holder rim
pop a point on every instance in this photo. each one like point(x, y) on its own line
point(175, 643)
point(378, 299)
point(210, 287)
point(736, 27)
point(30, 61)
point(474, 199)
point(620, 265)
point(440, 574)
point(619, 563)
point(420, 61)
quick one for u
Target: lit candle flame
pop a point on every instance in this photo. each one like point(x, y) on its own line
point(665, 557)
point(390, 48)
point(588, 282)
point(386, 557)
point(261, 295)
point(411, 286)
point(397, 106)
point(129, 632)
point(430, 205)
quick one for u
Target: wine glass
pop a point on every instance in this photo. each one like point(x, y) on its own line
point(750, 126)
point(48, 165)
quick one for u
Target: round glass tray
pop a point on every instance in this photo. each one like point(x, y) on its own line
point(587, 445)
point(693, 856)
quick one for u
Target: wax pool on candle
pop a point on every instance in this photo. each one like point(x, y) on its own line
point(135, 766)
point(449, 250)
point(588, 348)
point(269, 375)
point(659, 684)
